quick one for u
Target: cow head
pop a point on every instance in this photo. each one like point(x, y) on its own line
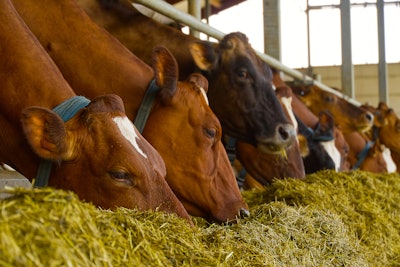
point(187, 134)
point(241, 93)
point(99, 154)
point(387, 125)
point(349, 116)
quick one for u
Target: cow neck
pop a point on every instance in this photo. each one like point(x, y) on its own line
point(145, 107)
point(66, 110)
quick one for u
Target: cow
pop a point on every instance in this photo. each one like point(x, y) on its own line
point(349, 116)
point(56, 138)
point(354, 122)
point(180, 124)
point(240, 87)
point(386, 129)
point(318, 129)
point(257, 169)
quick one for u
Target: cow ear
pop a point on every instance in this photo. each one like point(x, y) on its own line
point(107, 103)
point(166, 73)
point(199, 80)
point(204, 55)
point(45, 132)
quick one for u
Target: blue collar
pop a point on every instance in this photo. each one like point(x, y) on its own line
point(363, 155)
point(66, 110)
point(146, 105)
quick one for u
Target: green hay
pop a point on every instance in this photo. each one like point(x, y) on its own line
point(367, 203)
point(328, 219)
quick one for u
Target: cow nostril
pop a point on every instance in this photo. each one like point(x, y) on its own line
point(244, 213)
point(284, 132)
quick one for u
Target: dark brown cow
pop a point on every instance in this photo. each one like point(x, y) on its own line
point(264, 167)
point(319, 130)
point(95, 150)
point(240, 91)
point(181, 126)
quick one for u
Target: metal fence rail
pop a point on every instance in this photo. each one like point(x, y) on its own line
point(170, 11)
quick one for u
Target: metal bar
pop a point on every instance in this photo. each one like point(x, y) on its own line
point(382, 66)
point(309, 68)
point(347, 63)
point(170, 11)
point(195, 11)
point(272, 28)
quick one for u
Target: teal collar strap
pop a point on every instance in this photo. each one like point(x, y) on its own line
point(66, 110)
point(146, 105)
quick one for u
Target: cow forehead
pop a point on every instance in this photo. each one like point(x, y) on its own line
point(287, 102)
point(129, 132)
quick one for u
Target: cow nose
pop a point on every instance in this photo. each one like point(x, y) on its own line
point(244, 213)
point(285, 132)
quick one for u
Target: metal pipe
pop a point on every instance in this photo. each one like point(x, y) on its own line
point(195, 11)
point(170, 11)
point(382, 66)
point(347, 68)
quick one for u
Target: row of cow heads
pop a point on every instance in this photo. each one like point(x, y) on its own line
point(96, 152)
point(181, 126)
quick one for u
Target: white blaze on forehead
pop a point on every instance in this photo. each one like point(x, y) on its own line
point(387, 156)
point(129, 131)
point(333, 152)
point(203, 92)
point(287, 102)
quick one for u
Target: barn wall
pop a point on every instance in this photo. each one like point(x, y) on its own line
point(366, 82)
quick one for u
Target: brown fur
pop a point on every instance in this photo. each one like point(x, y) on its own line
point(89, 147)
point(181, 125)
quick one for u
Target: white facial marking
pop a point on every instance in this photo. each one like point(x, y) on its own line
point(287, 102)
point(273, 87)
point(203, 92)
point(387, 156)
point(129, 131)
point(333, 152)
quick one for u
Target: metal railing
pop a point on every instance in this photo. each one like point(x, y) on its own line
point(170, 11)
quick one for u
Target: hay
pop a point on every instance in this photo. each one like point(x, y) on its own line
point(329, 219)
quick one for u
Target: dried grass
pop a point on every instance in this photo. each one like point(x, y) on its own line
point(328, 219)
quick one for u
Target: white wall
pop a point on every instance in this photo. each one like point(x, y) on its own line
point(365, 82)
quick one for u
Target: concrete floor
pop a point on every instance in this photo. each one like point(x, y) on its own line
point(12, 179)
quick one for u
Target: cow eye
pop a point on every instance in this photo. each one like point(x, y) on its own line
point(121, 176)
point(329, 98)
point(210, 132)
point(242, 73)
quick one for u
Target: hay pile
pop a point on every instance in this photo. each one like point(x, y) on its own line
point(330, 219)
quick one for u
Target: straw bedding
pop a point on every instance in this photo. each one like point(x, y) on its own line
point(328, 219)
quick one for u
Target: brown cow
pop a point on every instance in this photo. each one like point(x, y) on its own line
point(386, 129)
point(96, 152)
point(240, 90)
point(386, 126)
point(348, 116)
point(353, 121)
point(181, 126)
